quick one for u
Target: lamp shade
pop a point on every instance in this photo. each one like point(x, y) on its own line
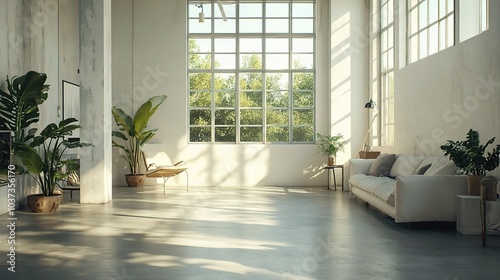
point(370, 105)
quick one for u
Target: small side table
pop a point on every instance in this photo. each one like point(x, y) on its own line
point(332, 167)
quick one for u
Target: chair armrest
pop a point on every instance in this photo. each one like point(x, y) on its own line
point(359, 166)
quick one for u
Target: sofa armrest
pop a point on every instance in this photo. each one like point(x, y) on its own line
point(428, 198)
point(359, 166)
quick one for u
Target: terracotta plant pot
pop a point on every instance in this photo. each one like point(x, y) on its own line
point(474, 184)
point(40, 203)
point(135, 180)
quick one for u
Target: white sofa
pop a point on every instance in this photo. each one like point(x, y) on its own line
point(406, 196)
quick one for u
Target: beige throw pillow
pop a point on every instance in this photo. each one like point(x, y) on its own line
point(382, 165)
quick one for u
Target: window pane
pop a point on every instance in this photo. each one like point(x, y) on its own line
point(225, 99)
point(422, 8)
point(200, 134)
point(250, 10)
point(222, 26)
point(229, 10)
point(303, 116)
point(200, 45)
point(277, 81)
point(303, 99)
point(390, 12)
point(194, 11)
point(303, 61)
point(251, 61)
point(303, 81)
point(251, 25)
point(302, 25)
point(423, 44)
point(302, 45)
point(390, 59)
point(224, 61)
point(450, 31)
point(277, 61)
point(250, 45)
point(303, 133)
point(225, 45)
point(442, 35)
point(277, 134)
point(433, 39)
point(433, 10)
point(200, 27)
point(251, 116)
point(251, 81)
point(200, 117)
point(442, 8)
point(302, 10)
point(277, 25)
point(251, 99)
point(225, 117)
point(277, 99)
point(414, 48)
point(276, 10)
point(383, 16)
point(225, 134)
point(224, 82)
point(277, 116)
point(200, 81)
point(200, 61)
point(279, 45)
point(200, 99)
point(450, 6)
point(251, 134)
point(414, 22)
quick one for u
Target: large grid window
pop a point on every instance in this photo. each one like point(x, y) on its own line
point(251, 76)
point(430, 27)
point(387, 72)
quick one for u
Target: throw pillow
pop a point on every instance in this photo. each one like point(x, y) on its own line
point(442, 167)
point(382, 165)
point(421, 170)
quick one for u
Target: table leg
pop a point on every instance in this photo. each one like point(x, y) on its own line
point(334, 179)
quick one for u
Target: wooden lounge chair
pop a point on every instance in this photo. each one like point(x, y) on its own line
point(159, 165)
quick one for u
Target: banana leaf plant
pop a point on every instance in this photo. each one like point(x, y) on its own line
point(43, 157)
point(134, 132)
point(19, 106)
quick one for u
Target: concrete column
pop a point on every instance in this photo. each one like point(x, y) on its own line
point(95, 100)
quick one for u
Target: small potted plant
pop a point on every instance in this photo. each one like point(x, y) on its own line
point(134, 133)
point(43, 157)
point(329, 146)
point(471, 157)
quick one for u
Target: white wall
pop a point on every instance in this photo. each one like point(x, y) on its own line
point(444, 95)
point(157, 30)
point(349, 74)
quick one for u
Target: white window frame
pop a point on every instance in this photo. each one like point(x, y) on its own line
point(237, 71)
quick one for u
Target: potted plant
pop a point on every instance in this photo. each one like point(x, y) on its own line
point(43, 157)
point(471, 157)
point(19, 106)
point(329, 146)
point(134, 133)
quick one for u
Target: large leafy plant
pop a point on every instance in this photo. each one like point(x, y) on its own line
point(470, 156)
point(134, 132)
point(19, 106)
point(328, 145)
point(43, 157)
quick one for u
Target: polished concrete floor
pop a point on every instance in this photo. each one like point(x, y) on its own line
point(238, 233)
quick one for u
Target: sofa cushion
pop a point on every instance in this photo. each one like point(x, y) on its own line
point(405, 165)
point(426, 161)
point(380, 187)
point(442, 167)
point(423, 169)
point(382, 165)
